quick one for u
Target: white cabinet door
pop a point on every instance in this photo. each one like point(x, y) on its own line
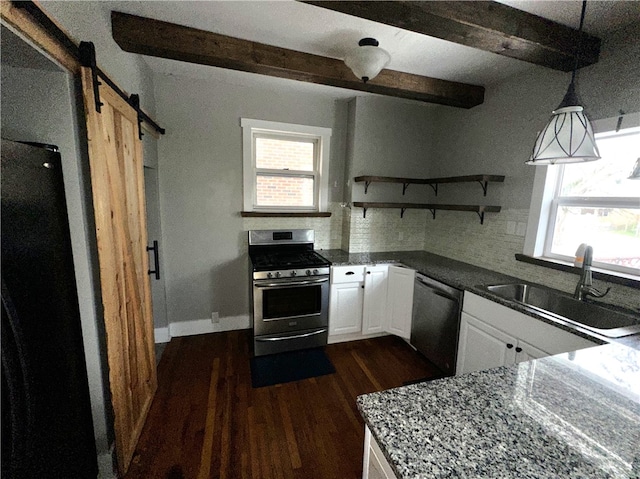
point(374, 310)
point(374, 464)
point(526, 352)
point(482, 346)
point(400, 301)
point(345, 308)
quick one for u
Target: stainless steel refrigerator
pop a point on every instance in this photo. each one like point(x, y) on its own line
point(47, 430)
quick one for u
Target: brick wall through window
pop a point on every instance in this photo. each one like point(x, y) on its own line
point(284, 155)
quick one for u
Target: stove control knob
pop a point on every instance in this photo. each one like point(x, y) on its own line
point(315, 271)
point(308, 272)
point(269, 275)
point(293, 273)
point(278, 274)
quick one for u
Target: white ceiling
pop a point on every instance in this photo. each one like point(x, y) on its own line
point(312, 29)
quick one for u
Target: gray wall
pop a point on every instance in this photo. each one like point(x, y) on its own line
point(200, 166)
point(497, 137)
point(391, 137)
point(91, 21)
point(38, 106)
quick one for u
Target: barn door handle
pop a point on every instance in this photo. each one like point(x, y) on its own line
point(156, 259)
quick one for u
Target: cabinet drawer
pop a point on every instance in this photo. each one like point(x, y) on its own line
point(347, 274)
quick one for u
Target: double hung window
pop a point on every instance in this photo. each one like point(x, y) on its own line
point(594, 203)
point(285, 166)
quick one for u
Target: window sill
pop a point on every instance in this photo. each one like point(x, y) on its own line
point(618, 278)
point(265, 214)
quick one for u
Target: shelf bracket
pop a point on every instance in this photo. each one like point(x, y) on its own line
point(433, 212)
point(481, 215)
point(402, 210)
point(404, 187)
point(435, 187)
point(484, 186)
point(366, 186)
point(364, 212)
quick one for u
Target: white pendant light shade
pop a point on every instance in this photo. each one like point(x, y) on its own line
point(635, 173)
point(367, 60)
point(567, 138)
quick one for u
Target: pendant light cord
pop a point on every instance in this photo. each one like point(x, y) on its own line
point(579, 49)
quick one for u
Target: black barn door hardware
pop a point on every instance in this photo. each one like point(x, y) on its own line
point(156, 259)
point(88, 59)
point(85, 54)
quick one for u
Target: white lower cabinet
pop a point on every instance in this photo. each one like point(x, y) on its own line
point(482, 346)
point(400, 301)
point(374, 307)
point(345, 310)
point(374, 464)
point(367, 300)
point(493, 335)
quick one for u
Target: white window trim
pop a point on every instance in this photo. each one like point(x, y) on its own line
point(543, 207)
point(252, 127)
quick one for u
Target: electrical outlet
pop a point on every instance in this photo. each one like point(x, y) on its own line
point(215, 318)
point(521, 229)
point(511, 227)
point(400, 235)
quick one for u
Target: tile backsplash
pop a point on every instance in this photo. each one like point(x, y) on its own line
point(383, 230)
point(328, 231)
point(494, 244)
point(454, 234)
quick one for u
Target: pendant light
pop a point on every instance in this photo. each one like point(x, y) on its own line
point(635, 173)
point(368, 59)
point(568, 136)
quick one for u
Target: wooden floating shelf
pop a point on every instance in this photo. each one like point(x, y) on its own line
point(433, 182)
point(258, 214)
point(479, 209)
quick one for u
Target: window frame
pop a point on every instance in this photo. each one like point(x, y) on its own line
point(546, 201)
point(252, 129)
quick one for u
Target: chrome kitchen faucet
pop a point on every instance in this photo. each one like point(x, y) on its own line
point(585, 288)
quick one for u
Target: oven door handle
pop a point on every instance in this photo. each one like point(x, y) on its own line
point(290, 285)
point(296, 336)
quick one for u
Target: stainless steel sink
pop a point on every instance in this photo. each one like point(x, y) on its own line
point(591, 316)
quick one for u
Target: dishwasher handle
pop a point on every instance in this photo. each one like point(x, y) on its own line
point(436, 290)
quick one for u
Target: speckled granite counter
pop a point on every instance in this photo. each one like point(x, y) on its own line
point(459, 275)
point(574, 415)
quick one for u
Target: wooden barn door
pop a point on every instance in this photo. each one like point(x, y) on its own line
point(117, 179)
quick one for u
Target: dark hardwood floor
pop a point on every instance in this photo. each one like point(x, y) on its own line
point(206, 420)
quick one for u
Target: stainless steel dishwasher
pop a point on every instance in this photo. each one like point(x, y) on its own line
point(436, 321)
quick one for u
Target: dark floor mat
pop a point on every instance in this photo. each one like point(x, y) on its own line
point(290, 366)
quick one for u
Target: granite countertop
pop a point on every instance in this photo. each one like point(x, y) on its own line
point(572, 415)
point(465, 276)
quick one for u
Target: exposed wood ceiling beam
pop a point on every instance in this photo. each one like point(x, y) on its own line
point(168, 40)
point(489, 26)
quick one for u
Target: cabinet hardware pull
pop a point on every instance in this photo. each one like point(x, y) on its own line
point(349, 273)
point(509, 345)
point(362, 286)
point(368, 272)
point(518, 349)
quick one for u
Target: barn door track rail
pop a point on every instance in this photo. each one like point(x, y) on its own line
point(86, 55)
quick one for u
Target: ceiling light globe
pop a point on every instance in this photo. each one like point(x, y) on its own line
point(367, 61)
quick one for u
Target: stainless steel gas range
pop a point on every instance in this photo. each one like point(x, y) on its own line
point(290, 291)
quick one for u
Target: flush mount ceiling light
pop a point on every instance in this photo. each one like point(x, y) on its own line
point(368, 59)
point(568, 136)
